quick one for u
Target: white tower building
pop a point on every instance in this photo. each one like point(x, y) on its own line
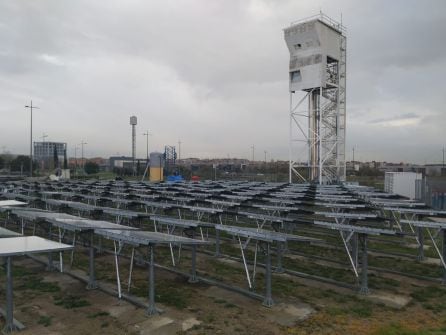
point(317, 73)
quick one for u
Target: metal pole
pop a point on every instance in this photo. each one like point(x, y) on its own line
point(268, 301)
point(364, 279)
point(420, 234)
point(82, 154)
point(75, 161)
point(444, 255)
point(50, 254)
point(31, 144)
point(9, 297)
point(179, 150)
point(193, 276)
point(217, 243)
point(31, 107)
point(443, 156)
point(320, 161)
point(290, 138)
point(279, 268)
point(151, 310)
point(91, 278)
point(252, 148)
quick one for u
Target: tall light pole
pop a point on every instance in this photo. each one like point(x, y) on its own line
point(179, 150)
point(265, 155)
point(31, 107)
point(75, 160)
point(252, 148)
point(147, 134)
point(443, 157)
point(82, 153)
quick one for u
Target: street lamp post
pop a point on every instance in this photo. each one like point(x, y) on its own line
point(75, 160)
point(147, 134)
point(31, 107)
point(82, 154)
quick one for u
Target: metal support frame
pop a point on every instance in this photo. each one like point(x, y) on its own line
point(321, 128)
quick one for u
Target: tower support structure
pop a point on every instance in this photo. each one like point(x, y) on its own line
point(317, 86)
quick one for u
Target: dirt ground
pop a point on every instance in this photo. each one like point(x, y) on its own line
point(56, 303)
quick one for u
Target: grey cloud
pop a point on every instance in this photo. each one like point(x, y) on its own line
point(406, 116)
point(213, 73)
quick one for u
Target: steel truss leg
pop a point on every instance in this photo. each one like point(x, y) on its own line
point(92, 278)
point(268, 301)
point(151, 310)
point(420, 234)
point(364, 289)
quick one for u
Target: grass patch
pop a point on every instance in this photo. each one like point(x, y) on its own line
point(398, 329)
point(425, 294)
point(45, 320)
point(97, 315)
point(172, 293)
point(70, 301)
point(37, 284)
point(219, 301)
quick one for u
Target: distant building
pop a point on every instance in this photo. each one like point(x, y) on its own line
point(401, 183)
point(44, 153)
point(435, 170)
point(124, 163)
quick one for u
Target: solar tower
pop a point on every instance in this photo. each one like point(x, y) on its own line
point(317, 86)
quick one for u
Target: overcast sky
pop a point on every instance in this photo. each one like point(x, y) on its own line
point(213, 74)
